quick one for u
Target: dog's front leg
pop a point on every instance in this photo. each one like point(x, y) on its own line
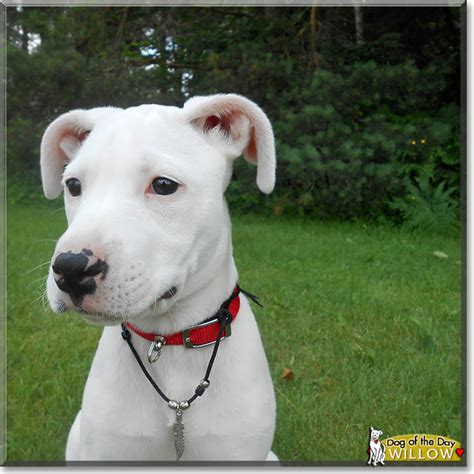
point(382, 457)
point(73, 448)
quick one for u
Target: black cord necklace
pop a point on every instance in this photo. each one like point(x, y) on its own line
point(224, 317)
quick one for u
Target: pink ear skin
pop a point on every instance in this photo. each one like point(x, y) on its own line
point(238, 127)
point(251, 153)
point(226, 123)
point(70, 142)
point(82, 136)
point(213, 121)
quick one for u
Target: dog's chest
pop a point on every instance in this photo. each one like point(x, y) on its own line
point(121, 403)
point(375, 445)
point(134, 419)
point(123, 386)
point(232, 418)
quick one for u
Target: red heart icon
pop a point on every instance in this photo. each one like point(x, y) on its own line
point(460, 452)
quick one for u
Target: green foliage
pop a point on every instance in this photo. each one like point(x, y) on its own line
point(428, 207)
point(24, 137)
point(354, 121)
point(434, 150)
point(23, 190)
point(351, 142)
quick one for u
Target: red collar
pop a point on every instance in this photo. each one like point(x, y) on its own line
point(202, 334)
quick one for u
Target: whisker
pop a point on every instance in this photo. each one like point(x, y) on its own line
point(39, 297)
point(41, 279)
point(44, 300)
point(36, 268)
point(57, 210)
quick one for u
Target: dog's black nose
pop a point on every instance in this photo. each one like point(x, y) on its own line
point(75, 273)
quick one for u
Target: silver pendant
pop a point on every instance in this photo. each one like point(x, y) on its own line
point(178, 431)
point(178, 427)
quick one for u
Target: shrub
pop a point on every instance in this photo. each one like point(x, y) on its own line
point(428, 207)
point(348, 141)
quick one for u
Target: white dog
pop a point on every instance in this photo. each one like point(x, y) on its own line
point(149, 243)
point(376, 448)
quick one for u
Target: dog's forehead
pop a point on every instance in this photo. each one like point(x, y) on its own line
point(147, 135)
point(146, 126)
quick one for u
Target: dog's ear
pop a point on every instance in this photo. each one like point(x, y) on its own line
point(236, 126)
point(61, 141)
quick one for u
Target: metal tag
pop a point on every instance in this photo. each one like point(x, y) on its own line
point(178, 431)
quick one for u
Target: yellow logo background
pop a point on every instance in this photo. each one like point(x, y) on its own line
point(421, 447)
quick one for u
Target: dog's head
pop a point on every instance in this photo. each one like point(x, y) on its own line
point(375, 434)
point(143, 190)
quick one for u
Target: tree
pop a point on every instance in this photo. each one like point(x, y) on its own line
point(345, 93)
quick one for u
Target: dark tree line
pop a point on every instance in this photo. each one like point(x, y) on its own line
point(365, 102)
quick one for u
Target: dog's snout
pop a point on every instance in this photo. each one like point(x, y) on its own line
point(74, 273)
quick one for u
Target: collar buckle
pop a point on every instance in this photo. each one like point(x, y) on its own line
point(187, 339)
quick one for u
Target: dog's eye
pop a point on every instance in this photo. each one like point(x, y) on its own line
point(164, 186)
point(74, 186)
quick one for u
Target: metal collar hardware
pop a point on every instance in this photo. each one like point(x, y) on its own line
point(154, 351)
point(187, 339)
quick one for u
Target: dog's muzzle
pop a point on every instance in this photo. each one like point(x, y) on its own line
point(76, 273)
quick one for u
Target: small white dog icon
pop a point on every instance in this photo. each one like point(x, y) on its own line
point(376, 448)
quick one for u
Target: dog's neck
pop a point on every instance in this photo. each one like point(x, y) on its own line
point(205, 290)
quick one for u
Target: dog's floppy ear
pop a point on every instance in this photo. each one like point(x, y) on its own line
point(236, 126)
point(61, 141)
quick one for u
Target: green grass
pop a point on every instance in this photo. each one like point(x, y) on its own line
point(366, 317)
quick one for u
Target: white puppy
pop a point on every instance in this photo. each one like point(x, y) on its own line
point(149, 242)
point(376, 448)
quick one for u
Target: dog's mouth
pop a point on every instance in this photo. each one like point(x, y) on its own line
point(100, 319)
point(96, 316)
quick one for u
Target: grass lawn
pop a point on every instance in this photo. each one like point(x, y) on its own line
point(366, 317)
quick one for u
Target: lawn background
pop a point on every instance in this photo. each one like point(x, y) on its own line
point(367, 111)
point(366, 316)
